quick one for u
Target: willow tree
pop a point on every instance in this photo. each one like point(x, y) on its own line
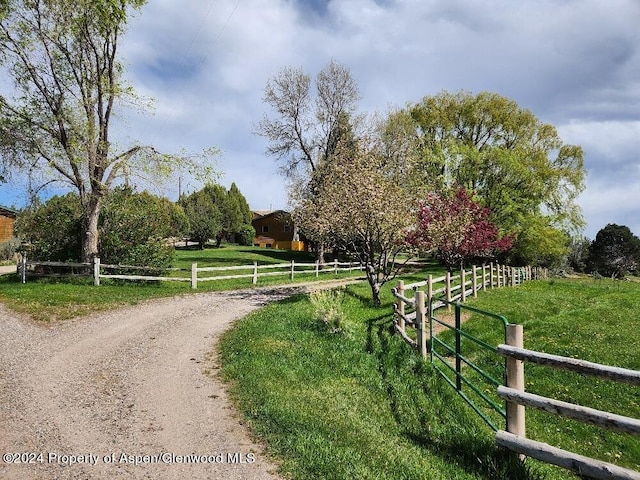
point(62, 56)
point(516, 165)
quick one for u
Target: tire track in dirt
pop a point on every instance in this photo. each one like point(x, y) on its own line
point(126, 382)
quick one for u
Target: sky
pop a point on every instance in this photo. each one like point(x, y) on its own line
point(573, 63)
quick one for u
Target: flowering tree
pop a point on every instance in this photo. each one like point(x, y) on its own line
point(357, 205)
point(457, 229)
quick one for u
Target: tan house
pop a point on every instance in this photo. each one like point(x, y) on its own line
point(275, 229)
point(7, 219)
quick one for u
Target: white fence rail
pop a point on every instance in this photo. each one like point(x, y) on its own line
point(27, 268)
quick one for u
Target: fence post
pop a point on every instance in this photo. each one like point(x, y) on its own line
point(447, 289)
point(255, 273)
point(484, 277)
point(474, 279)
point(420, 323)
point(194, 275)
point(96, 271)
point(335, 266)
point(515, 380)
point(400, 290)
point(491, 275)
point(293, 268)
point(317, 268)
point(513, 276)
point(23, 268)
point(463, 288)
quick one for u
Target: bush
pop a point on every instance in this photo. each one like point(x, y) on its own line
point(52, 230)
point(245, 235)
point(8, 249)
point(132, 230)
point(329, 310)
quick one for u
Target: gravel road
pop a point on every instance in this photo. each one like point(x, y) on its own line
point(134, 385)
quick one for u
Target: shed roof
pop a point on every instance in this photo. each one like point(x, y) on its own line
point(7, 212)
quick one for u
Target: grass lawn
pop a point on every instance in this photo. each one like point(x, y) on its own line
point(63, 298)
point(365, 406)
point(594, 321)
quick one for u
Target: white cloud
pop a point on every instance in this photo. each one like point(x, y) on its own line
point(575, 64)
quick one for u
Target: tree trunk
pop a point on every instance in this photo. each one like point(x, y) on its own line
point(375, 285)
point(90, 218)
point(320, 253)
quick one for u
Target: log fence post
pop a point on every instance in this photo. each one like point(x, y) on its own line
point(447, 289)
point(484, 277)
point(491, 275)
point(474, 280)
point(254, 280)
point(515, 380)
point(463, 288)
point(293, 269)
point(420, 323)
point(400, 304)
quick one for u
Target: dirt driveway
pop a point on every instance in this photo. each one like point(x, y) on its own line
point(125, 394)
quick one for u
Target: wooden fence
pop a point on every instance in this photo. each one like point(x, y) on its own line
point(467, 283)
point(449, 287)
point(27, 268)
point(514, 438)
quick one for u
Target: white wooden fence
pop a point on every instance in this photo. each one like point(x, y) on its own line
point(254, 271)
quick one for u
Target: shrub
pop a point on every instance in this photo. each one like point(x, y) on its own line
point(246, 235)
point(52, 230)
point(328, 309)
point(132, 228)
point(8, 249)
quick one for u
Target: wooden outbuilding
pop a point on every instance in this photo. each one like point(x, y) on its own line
point(7, 220)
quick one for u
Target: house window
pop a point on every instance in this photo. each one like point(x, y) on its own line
point(265, 229)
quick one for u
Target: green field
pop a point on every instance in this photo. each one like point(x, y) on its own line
point(330, 405)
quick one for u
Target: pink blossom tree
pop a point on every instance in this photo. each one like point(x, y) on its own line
point(456, 229)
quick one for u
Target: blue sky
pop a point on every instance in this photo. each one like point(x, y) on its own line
point(573, 63)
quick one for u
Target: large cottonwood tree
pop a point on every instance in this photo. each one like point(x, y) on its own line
point(63, 58)
point(516, 165)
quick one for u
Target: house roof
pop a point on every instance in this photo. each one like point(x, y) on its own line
point(267, 213)
point(7, 212)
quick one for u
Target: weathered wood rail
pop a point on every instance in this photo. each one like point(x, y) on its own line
point(514, 438)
